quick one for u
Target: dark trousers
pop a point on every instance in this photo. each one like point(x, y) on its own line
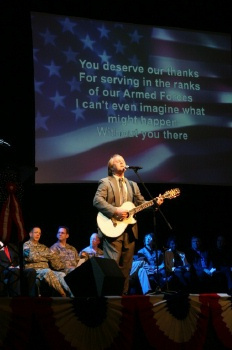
point(15, 284)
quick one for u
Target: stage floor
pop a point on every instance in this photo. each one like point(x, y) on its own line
point(163, 321)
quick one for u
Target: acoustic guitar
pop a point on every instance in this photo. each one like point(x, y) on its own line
point(113, 228)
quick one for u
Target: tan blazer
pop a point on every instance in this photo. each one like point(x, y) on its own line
point(107, 197)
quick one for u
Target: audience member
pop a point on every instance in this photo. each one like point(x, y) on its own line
point(222, 261)
point(154, 259)
point(93, 249)
point(139, 273)
point(177, 266)
point(43, 260)
point(68, 254)
point(201, 267)
point(15, 279)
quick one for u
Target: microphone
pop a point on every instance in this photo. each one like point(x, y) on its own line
point(2, 142)
point(133, 167)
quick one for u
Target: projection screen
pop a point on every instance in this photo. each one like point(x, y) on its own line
point(161, 97)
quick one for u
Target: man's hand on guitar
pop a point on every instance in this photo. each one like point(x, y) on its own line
point(159, 200)
point(121, 214)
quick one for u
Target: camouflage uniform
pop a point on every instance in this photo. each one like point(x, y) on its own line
point(43, 260)
point(68, 255)
point(91, 252)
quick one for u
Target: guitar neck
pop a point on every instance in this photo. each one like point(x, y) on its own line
point(168, 194)
point(142, 206)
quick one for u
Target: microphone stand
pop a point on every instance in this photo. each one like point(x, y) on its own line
point(155, 208)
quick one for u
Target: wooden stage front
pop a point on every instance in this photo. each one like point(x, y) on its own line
point(164, 321)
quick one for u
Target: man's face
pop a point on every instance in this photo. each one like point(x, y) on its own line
point(148, 241)
point(118, 165)
point(172, 245)
point(196, 243)
point(62, 234)
point(95, 240)
point(35, 234)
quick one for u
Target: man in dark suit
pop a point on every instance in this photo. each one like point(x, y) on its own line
point(201, 266)
point(15, 281)
point(111, 193)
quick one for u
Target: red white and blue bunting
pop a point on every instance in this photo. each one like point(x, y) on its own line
point(11, 212)
point(158, 322)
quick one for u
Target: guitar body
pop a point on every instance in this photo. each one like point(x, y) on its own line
point(112, 227)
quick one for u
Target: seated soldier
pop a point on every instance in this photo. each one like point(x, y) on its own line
point(93, 249)
point(43, 260)
point(68, 254)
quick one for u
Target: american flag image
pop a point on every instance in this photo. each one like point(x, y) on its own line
point(160, 97)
